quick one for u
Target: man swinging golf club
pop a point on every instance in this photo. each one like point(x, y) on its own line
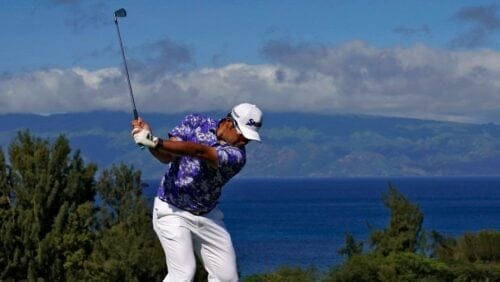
point(203, 154)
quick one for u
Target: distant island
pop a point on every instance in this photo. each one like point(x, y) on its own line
point(294, 144)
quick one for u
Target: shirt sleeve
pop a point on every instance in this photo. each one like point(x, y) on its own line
point(231, 157)
point(185, 128)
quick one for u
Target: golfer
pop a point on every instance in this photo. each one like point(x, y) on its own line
point(203, 154)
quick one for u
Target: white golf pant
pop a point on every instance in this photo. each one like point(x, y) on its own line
point(182, 234)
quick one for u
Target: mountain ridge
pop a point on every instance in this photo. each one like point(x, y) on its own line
point(294, 144)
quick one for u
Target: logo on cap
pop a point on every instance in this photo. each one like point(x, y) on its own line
point(252, 122)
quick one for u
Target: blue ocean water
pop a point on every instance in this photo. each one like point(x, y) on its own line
point(302, 222)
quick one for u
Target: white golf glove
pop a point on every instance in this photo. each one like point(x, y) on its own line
point(144, 137)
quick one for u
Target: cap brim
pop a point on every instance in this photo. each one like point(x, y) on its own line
point(250, 134)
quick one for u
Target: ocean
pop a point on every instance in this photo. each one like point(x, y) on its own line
point(302, 222)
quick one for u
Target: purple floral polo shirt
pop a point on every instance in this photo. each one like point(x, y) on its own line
point(190, 183)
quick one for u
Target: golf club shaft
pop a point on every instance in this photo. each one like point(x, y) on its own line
point(136, 115)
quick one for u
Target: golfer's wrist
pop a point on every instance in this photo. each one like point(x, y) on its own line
point(158, 142)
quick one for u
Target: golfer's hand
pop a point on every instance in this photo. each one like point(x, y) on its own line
point(140, 123)
point(144, 137)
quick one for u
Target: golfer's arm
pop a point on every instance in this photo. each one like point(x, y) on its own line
point(163, 155)
point(185, 148)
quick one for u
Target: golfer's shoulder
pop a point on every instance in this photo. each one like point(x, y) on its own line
point(197, 120)
point(228, 154)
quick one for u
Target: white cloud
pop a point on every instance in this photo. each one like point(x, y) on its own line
point(56, 90)
point(419, 82)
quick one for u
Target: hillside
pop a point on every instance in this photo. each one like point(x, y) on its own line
point(294, 145)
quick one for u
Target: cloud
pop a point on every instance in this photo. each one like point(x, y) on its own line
point(282, 50)
point(356, 77)
point(482, 21)
point(416, 82)
point(55, 90)
point(162, 56)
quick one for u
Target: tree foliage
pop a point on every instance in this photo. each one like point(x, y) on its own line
point(405, 225)
point(285, 274)
point(397, 253)
point(59, 223)
point(351, 247)
point(397, 266)
point(47, 224)
point(481, 247)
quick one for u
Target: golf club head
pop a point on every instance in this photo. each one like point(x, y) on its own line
point(120, 13)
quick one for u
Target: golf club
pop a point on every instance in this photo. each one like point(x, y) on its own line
point(121, 13)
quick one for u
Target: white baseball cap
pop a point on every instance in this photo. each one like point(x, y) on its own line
point(249, 120)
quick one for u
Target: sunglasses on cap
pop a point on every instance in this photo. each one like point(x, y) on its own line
point(235, 125)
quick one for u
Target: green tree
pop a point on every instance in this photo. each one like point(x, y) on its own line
point(48, 186)
point(393, 257)
point(441, 246)
point(404, 233)
point(127, 248)
point(351, 247)
point(483, 246)
point(397, 266)
point(54, 229)
point(471, 256)
point(285, 274)
point(9, 243)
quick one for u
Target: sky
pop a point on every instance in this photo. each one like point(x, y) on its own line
point(421, 59)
